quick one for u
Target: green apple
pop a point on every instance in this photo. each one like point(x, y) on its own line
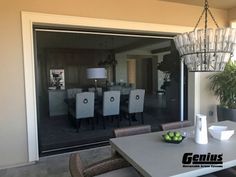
point(171, 134)
point(180, 138)
point(167, 137)
point(176, 138)
point(177, 134)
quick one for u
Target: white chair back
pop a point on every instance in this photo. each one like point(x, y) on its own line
point(136, 101)
point(111, 103)
point(71, 93)
point(84, 105)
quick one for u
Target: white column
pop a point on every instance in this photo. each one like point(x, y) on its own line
point(181, 90)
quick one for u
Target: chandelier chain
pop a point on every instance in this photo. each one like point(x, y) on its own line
point(199, 20)
point(213, 18)
point(205, 11)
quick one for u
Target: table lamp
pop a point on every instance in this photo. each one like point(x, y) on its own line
point(96, 73)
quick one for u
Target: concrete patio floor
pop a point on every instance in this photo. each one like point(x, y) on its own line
point(58, 165)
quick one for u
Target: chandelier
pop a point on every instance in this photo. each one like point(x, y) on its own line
point(206, 50)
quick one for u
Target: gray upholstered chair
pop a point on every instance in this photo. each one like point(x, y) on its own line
point(135, 104)
point(112, 167)
point(111, 105)
point(84, 108)
point(175, 125)
point(129, 131)
point(71, 93)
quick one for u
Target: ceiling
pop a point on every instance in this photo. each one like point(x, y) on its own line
point(220, 4)
point(93, 41)
point(83, 41)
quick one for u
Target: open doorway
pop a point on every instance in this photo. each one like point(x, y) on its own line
point(144, 76)
point(137, 66)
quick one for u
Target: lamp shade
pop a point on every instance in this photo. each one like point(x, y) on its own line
point(96, 73)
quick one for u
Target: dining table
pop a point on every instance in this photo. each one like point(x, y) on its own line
point(151, 156)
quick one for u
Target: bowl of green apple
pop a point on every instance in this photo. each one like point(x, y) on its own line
point(174, 137)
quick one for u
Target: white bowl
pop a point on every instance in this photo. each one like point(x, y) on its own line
point(220, 132)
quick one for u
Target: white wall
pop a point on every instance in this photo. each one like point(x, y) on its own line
point(121, 67)
point(208, 101)
point(200, 97)
point(193, 95)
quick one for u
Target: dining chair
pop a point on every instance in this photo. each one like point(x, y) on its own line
point(71, 93)
point(111, 106)
point(129, 131)
point(175, 125)
point(135, 104)
point(114, 166)
point(84, 108)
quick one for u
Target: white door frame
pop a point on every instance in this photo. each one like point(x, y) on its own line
point(30, 18)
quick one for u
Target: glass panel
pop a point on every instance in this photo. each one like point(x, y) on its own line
point(157, 74)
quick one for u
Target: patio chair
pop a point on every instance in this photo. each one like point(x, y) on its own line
point(175, 125)
point(129, 131)
point(111, 167)
point(135, 130)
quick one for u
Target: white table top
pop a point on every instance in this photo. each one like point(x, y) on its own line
point(154, 158)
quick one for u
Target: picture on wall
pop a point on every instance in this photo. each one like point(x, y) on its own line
point(57, 79)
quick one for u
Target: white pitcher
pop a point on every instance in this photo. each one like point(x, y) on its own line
point(201, 136)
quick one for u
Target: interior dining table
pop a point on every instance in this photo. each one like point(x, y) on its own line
point(152, 157)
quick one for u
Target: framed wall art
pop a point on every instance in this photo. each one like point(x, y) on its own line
point(57, 79)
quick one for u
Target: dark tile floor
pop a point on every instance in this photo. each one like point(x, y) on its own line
point(58, 132)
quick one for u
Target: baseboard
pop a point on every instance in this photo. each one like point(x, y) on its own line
point(64, 150)
point(84, 150)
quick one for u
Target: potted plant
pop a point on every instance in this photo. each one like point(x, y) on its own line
point(223, 85)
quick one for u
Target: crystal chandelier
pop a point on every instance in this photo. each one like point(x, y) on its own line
point(206, 50)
